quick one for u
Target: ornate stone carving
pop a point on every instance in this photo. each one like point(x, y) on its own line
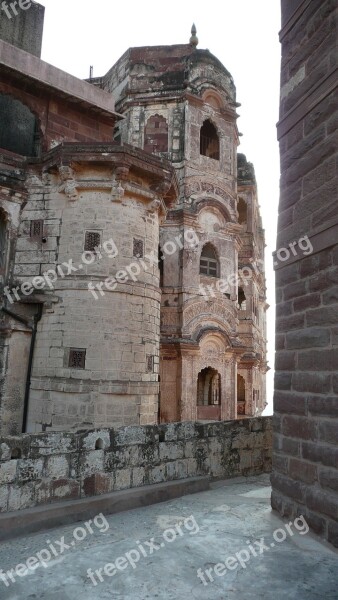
point(162, 188)
point(205, 309)
point(117, 192)
point(70, 190)
point(155, 205)
point(66, 173)
point(68, 186)
point(71, 186)
point(169, 318)
point(122, 173)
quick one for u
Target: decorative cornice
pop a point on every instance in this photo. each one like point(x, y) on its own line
point(117, 189)
point(121, 159)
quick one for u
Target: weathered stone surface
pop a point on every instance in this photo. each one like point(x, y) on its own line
point(305, 424)
point(131, 457)
point(57, 467)
point(8, 472)
point(24, 27)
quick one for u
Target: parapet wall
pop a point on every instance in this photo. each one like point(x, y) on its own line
point(38, 469)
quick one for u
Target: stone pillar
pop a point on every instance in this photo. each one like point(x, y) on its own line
point(224, 371)
point(233, 393)
point(189, 386)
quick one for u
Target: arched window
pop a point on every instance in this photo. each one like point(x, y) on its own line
point(241, 299)
point(3, 241)
point(242, 212)
point(208, 262)
point(161, 265)
point(18, 127)
point(209, 140)
point(156, 135)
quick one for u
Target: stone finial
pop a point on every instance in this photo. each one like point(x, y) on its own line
point(194, 38)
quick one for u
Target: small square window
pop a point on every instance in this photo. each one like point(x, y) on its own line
point(77, 358)
point(92, 241)
point(36, 230)
point(138, 248)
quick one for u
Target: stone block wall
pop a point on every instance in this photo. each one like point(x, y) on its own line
point(58, 120)
point(305, 464)
point(21, 24)
point(105, 308)
point(38, 469)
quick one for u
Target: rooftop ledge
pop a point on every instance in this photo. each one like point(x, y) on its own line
point(28, 68)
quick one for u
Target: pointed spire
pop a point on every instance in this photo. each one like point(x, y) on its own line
point(194, 38)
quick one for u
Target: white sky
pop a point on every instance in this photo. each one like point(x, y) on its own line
point(243, 34)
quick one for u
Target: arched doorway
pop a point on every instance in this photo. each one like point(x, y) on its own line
point(242, 212)
point(19, 132)
point(209, 394)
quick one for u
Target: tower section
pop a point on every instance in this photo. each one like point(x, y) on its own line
point(179, 102)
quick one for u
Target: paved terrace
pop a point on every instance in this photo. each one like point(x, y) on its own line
point(233, 517)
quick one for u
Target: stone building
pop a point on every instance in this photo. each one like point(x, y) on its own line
point(179, 102)
point(305, 463)
point(92, 183)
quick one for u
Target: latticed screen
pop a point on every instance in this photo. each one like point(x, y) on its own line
point(150, 363)
point(208, 262)
point(77, 358)
point(36, 229)
point(2, 240)
point(138, 248)
point(92, 240)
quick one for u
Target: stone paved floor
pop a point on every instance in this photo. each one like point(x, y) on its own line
point(214, 525)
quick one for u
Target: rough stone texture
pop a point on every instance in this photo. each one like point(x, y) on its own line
point(23, 27)
point(59, 466)
point(305, 466)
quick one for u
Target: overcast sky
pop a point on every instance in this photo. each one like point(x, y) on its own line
point(243, 34)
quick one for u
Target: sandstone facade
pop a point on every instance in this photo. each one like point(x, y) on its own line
point(95, 329)
point(180, 102)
